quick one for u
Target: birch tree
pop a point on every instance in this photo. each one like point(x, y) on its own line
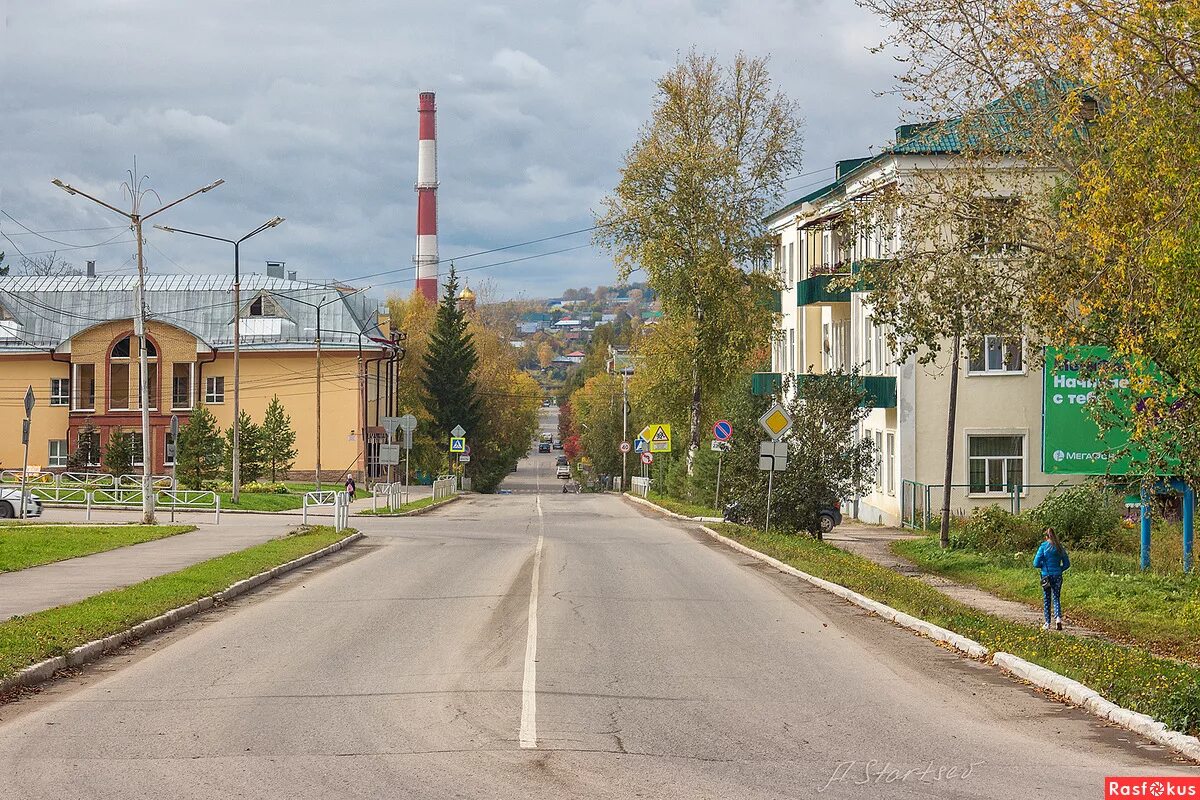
point(695, 187)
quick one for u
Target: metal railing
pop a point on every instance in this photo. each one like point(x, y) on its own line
point(88, 480)
point(189, 500)
point(396, 495)
point(921, 503)
point(640, 486)
point(444, 486)
point(337, 499)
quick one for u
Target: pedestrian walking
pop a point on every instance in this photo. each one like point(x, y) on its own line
point(350, 488)
point(1052, 560)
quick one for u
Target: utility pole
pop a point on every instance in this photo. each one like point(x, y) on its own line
point(133, 187)
point(236, 455)
point(624, 423)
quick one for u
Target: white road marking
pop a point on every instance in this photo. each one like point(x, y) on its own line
point(529, 687)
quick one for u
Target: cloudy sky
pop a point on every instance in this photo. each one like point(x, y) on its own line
point(307, 109)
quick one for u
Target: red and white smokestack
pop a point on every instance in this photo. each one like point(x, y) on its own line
point(426, 258)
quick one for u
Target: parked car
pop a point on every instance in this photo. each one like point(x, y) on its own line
point(543, 447)
point(828, 518)
point(563, 471)
point(10, 504)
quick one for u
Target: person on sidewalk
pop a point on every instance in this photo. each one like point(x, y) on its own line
point(1052, 559)
point(350, 488)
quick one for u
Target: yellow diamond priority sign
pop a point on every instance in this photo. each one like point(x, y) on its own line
point(776, 422)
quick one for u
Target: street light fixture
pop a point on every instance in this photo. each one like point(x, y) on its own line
point(236, 457)
point(135, 191)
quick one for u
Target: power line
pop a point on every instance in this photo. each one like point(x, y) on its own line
point(496, 264)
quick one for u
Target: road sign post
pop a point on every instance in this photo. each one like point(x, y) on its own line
point(772, 458)
point(659, 437)
point(174, 459)
point(25, 425)
point(719, 447)
point(408, 424)
point(776, 422)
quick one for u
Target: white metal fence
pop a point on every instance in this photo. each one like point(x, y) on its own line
point(444, 486)
point(49, 484)
point(640, 486)
point(337, 499)
point(394, 494)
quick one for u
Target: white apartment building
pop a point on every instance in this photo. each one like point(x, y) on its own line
point(823, 328)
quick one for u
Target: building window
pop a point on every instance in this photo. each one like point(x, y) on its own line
point(891, 463)
point(89, 443)
point(60, 391)
point(118, 385)
point(136, 443)
point(152, 393)
point(791, 264)
point(879, 461)
point(791, 349)
point(995, 227)
point(997, 355)
point(85, 387)
point(997, 463)
point(262, 306)
point(214, 389)
point(181, 385)
point(58, 453)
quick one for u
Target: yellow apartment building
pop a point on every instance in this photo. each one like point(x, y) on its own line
point(72, 339)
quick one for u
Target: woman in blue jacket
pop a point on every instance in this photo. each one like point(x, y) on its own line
point(1052, 559)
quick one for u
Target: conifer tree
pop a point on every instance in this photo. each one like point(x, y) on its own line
point(278, 441)
point(118, 455)
point(200, 451)
point(250, 446)
point(451, 393)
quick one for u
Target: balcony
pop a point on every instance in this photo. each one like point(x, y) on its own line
point(880, 390)
point(765, 383)
point(816, 291)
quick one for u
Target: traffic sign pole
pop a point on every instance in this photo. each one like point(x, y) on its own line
point(770, 486)
point(717, 497)
point(25, 425)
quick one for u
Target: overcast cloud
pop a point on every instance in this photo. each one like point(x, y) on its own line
point(308, 110)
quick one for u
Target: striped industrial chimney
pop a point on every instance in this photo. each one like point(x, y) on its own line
point(426, 258)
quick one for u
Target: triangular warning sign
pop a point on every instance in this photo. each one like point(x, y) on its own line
point(660, 435)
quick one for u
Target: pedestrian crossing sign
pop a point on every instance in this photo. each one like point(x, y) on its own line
point(458, 444)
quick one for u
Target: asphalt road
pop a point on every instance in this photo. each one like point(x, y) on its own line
point(549, 645)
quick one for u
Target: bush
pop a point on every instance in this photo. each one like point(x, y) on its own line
point(1087, 517)
point(994, 529)
point(254, 487)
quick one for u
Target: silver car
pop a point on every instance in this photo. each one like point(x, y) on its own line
point(10, 504)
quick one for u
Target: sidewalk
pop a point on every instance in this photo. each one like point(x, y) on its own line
point(873, 543)
point(38, 588)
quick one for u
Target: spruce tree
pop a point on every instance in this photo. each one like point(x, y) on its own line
point(250, 448)
point(451, 394)
point(118, 455)
point(278, 441)
point(201, 449)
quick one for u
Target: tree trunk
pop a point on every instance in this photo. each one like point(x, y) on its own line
point(694, 420)
point(949, 474)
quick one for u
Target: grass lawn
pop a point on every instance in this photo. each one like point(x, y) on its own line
point(29, 545)
point(406, 507)
point(1157, 610)
point(262, 502)
point(680, 507)
point(29, 639)
point(1129, 676)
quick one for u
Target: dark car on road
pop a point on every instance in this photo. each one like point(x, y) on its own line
point(543, 447)
point(827, 518)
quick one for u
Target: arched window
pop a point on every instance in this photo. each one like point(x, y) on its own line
point(124, 389)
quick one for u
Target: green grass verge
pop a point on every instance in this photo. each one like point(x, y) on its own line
point(23, 546)
point(1129, 676)
point(35, 637)
point(1159, 611)
point(404, 508)
point(680, 507)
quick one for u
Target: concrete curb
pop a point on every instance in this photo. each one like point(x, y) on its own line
point(415, 512)
point(1059, 685)
point(642, 501)
point(1091, 701)
point(45, 670)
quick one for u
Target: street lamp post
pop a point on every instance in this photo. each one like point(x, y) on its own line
point(136, 218)
point(318, 306)
point(236, 455)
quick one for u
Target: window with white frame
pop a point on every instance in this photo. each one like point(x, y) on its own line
point(57, 456)
point(891, 463)
point(214, 389)
point(996, 462)
point(60, 391)
point(136, 443)
point(879, 461)
point(791, 350)
point(997, 355)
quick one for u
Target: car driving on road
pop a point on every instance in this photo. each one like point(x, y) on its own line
point(563, 471)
